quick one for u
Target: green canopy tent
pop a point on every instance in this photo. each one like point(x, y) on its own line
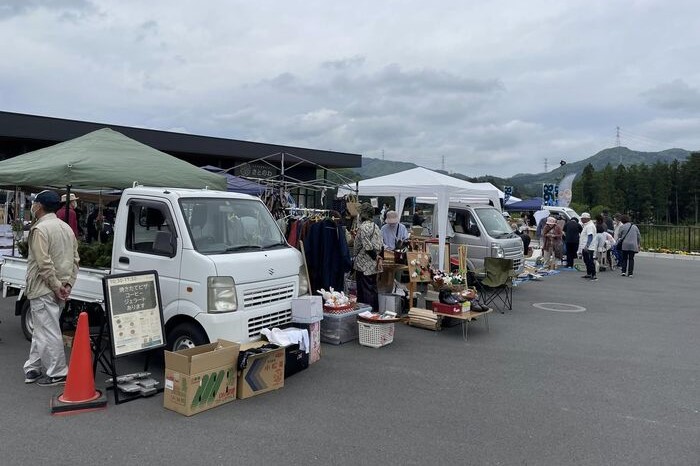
point(104, 159)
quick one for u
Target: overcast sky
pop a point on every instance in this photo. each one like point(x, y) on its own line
point(494, 87)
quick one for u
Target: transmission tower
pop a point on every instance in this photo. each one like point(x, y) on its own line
point(443, 163)
point(545, 165)
point(617, 137)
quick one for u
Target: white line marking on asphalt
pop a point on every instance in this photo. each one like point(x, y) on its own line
point(559, 307)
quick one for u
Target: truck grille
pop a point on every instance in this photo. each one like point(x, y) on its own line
point(265, 296)
point(274, 319)
point(514, 253)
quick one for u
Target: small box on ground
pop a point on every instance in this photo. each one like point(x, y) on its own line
point(447, 308)
point(200, 378)
point(295, 360)
point(307, 309)
point(390, 302)
point(314, 330)
point(264, 372)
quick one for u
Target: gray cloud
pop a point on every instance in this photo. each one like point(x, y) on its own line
point(675, 95)
point(494, 89)
point(11, 8)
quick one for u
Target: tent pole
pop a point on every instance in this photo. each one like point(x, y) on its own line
point(67, 215)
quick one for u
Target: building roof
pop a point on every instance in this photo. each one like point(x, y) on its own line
point(191, 147)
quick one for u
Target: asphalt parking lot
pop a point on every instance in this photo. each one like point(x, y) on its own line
point(617, 383)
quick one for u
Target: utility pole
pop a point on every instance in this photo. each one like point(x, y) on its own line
point(443, 163)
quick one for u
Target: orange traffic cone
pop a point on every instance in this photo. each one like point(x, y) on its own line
point(79, 393)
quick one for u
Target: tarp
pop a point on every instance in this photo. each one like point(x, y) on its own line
point(421, 182)
point(528, 204)
point(104, 159)
point(237, 184)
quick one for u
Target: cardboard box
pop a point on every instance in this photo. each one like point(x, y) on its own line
point(314, 340)
point(307, 309)
point(447, 308)
point(263, 373)
point(200, 378)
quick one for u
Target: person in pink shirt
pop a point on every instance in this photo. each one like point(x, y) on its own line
point(72, 216)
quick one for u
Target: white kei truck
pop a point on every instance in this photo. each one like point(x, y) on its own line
point(224, 267)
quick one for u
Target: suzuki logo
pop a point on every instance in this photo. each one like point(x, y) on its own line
point(271, 271)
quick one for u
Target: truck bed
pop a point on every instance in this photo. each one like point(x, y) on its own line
point(88, 286)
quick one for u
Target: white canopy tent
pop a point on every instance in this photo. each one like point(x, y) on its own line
point(421, 182)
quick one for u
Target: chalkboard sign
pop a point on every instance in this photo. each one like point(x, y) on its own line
point(134, 312)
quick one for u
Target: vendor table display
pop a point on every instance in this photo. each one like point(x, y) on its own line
point(464, 317)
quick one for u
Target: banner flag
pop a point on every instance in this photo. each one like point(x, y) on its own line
point(565, 191)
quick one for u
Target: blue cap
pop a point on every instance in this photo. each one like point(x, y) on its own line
point(48, 199)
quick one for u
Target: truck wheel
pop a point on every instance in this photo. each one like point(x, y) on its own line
point(186, 335)
point(27, 321)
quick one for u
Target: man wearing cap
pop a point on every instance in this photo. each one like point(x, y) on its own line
point(368, 257)
point(52, 267)
point(72, 216)
point(585, 240)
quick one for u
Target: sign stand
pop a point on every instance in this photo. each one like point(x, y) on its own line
point(135, 322)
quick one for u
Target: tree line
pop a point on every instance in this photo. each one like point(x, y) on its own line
point(662, 193)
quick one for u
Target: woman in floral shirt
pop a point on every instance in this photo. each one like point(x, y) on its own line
point(368, 256)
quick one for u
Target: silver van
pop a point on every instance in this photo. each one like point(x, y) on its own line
point(485, 232)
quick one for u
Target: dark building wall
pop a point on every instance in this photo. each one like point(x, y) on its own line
point(21, 133)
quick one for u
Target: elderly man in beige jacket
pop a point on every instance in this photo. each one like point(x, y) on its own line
point(52, 267)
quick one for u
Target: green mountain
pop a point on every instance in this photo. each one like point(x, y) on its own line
point(532, 183)
point(527, 185)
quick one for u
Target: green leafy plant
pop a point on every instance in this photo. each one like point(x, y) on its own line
point(95, 254)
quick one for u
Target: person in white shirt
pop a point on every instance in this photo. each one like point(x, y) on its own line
point(584, 244)
point(393, 231)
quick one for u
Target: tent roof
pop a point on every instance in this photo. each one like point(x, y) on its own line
point(421, 182)
point(528, 204)
point(236, 183)
point(104, 159)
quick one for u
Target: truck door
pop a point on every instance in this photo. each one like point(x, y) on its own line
point(151, 242)
point(467, 232)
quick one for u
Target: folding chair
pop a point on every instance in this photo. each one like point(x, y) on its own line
point(497, 285)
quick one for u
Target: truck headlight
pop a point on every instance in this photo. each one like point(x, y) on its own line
point(303, 282)
point(221, 294)
point(497, 250)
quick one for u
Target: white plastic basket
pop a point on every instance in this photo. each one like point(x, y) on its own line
point(376, 335)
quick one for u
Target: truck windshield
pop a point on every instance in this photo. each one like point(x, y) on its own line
point(226, 226)
point(495, 224)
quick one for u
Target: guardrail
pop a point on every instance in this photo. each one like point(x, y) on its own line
point(670, 237)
